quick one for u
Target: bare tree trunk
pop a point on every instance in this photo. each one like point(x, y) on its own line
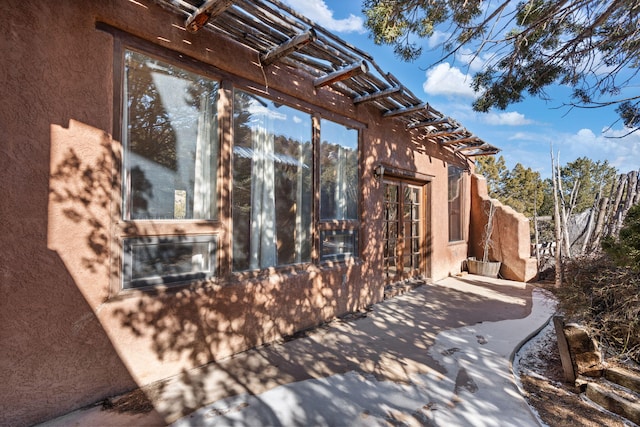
point(616, 208)
point(612, 198)
point(600, 223)
point(627, 194)
point(636, 196)
point(574, 197)
point(592, 217)
point(558, 227)
point(631, 193)
point(602, 226)
point(487, 233)
point(535, 227)
point(564, 227)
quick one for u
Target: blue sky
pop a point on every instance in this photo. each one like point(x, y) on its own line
point(524, 131)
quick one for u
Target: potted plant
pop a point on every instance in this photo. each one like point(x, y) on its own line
point(485, 267)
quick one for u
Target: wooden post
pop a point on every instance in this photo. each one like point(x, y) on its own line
point(563, 348)
point(293, 44)
point(210, 9)
point(347, 72)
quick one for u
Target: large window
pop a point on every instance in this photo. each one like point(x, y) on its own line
point(338, 172)
point(170, 140)
point(294, 178)
point(272, 184)
point(455, 203)
point(170, 159)
point(338, 190)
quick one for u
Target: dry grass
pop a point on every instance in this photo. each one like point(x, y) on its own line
point(606, 299)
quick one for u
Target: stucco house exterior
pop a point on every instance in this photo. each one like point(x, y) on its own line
point(184, 180)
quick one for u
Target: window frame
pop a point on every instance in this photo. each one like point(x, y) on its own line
point(221, 226)
point(127, 186)
point(285, 102)
point(173, 279)
point(461, 205)
point(127, 229)
point(336, 225)
point(318, 226)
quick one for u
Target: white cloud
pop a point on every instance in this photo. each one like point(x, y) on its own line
point(437, 39)
point(532, 147)
point(511, 118)
point(586, 135)
point(475, 61)
point(259, 111)
point(449, 81)
point(619, 150)
point(524, 136)
point(318, 11)
point(616, 145)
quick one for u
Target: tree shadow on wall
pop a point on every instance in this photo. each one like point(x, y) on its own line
point(200, 332)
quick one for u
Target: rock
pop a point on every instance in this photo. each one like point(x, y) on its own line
point(585, 354)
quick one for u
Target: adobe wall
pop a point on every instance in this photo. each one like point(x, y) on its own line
point(67, 341)
point(511, 241)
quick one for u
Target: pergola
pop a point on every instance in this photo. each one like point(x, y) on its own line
point(278, 33)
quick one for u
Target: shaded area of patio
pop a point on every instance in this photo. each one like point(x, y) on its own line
point(440, 354)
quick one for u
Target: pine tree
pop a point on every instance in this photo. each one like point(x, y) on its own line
point(591, 46)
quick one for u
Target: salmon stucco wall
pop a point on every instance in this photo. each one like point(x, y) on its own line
point(389, 145)
point(510, 240)
point(55, 354)
point(69, 336)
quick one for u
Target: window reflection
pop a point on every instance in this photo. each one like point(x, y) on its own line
point(338, 172)
point(455, 203)
point(165, 260)
point(170, 137)
point(272, 184)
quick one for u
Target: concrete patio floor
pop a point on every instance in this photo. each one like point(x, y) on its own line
point(438, 355)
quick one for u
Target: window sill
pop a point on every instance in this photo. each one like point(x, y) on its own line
point(163, 290)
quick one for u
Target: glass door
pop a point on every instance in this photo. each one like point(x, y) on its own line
point(404, 230)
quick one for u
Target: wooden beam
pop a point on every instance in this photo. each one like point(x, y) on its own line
point(294, 43)
point(447, 133)
point(425, 123)
point(471, 147)
point(210, 9)
point(484, 153)
point(342, 74)
point(459, 140)
point(376, 95)
point(407, 110)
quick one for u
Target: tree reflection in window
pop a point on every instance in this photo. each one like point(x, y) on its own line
point(338, 172)
point(272, 184)
point(455, 203)
point(170, 138)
